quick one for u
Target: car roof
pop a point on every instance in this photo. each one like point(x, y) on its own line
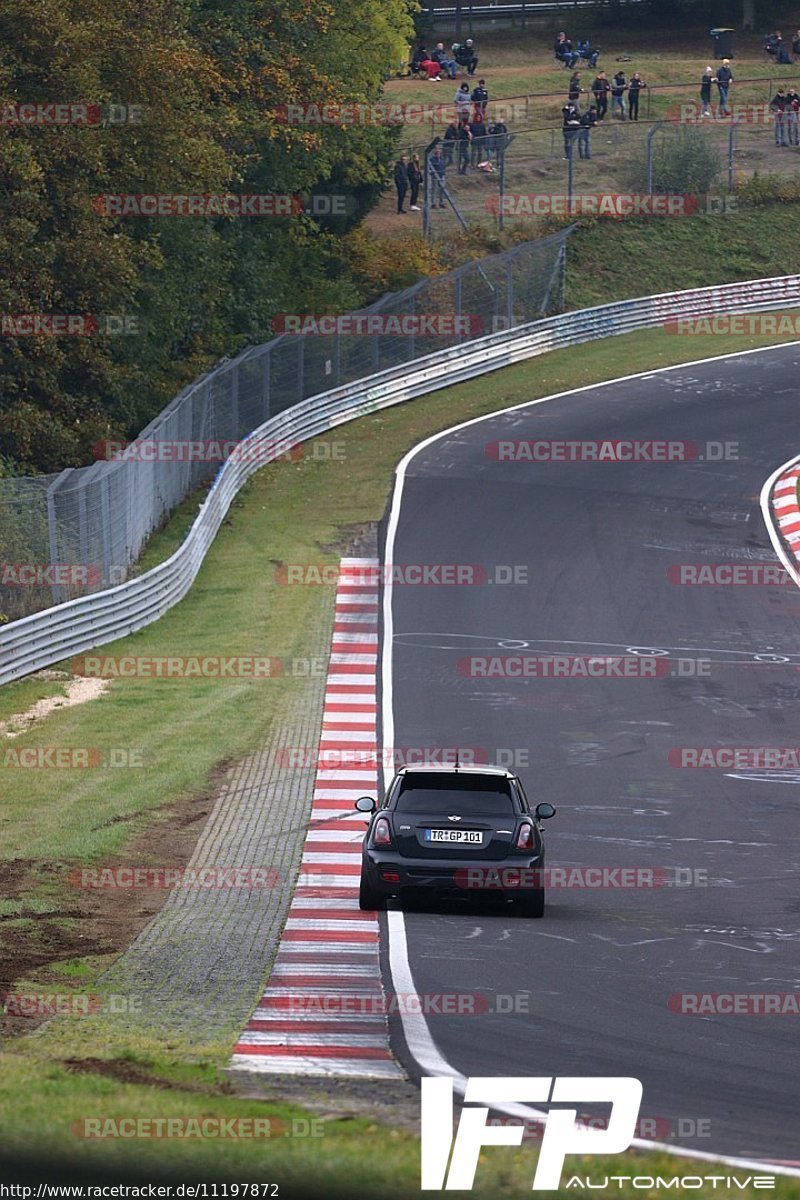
point(451, 769)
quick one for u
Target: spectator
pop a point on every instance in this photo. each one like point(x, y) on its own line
point(705, 92)
point(796, 44)
point(564, 52)
point(448, 64)
point(401, 180)
point(724, 81)
point(571, 126)
point(464, 139)
point(589, 54)
point(478, 145)
point(782, 55)
point(778, 106)
point(600, 90)
point(588, 122)
point(634, 87)
point(772, 44)
point(432, 69)
point(480, 98)
point(575, 88)
point(619, 85)
point(793, 116)
point(465, 56)
point(463, 102)
point(414, 181)
point(497, 140)
point(437, 168)
point(419, 55)
point(450, 139)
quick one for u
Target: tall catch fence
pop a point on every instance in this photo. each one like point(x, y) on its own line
point(68, 534)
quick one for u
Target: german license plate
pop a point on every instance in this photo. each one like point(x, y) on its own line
point(464, 836)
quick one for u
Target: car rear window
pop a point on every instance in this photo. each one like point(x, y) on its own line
point(466, 794)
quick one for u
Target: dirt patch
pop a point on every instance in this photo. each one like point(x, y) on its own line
point(84, 921)
point(79, 690)
point(130, 1072)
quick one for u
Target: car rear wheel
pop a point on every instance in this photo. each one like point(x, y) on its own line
point(531, 905)
point(369, 900)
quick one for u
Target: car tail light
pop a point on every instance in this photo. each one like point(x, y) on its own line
point(382, 834)
point(525, 837)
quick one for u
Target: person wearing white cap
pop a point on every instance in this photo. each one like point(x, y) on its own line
point(724, 81)
point(705, 92)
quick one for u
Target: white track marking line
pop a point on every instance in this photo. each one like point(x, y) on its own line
point(415, 1028)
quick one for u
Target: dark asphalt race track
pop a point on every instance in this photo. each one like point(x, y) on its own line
point(597, 539)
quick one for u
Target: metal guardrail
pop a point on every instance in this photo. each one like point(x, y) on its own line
point(56, 633)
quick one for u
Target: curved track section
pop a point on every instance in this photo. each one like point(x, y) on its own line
point(612, 975)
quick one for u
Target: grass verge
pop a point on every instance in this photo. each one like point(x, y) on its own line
point(301, 512)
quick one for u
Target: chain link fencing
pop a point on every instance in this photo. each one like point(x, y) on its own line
point(79, 531)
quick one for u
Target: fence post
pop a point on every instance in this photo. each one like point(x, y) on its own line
point(52, 528)
point(105, 528)
point(265, 365)
point(426, 199)
point(301, 352)
point(651, 133)
point(731, 152)
point(501, 153)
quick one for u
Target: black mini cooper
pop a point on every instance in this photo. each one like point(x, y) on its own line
point(454, 830)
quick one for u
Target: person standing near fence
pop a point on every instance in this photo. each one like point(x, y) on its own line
point(572, 123)
point(705, 92)
point(414, 182)
point(463, 103)
point(401, 180)
point(588, 122)
point(575, 88)
point(724, 81)
point(478, 144)
point(450, 140)
point(436, 174)
point(480, 98)
point(778, 108)
point(634, 87)
point(600, 90)
point(619, 86)
point(464, 139)
point(793, 116)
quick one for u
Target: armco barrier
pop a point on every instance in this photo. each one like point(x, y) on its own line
point(56, 633)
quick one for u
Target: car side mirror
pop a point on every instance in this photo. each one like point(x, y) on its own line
point(544, 812)
point(365, 804)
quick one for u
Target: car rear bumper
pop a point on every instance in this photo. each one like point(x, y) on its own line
point(388, 874)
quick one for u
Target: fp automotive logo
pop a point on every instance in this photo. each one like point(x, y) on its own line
point(561, 1136)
